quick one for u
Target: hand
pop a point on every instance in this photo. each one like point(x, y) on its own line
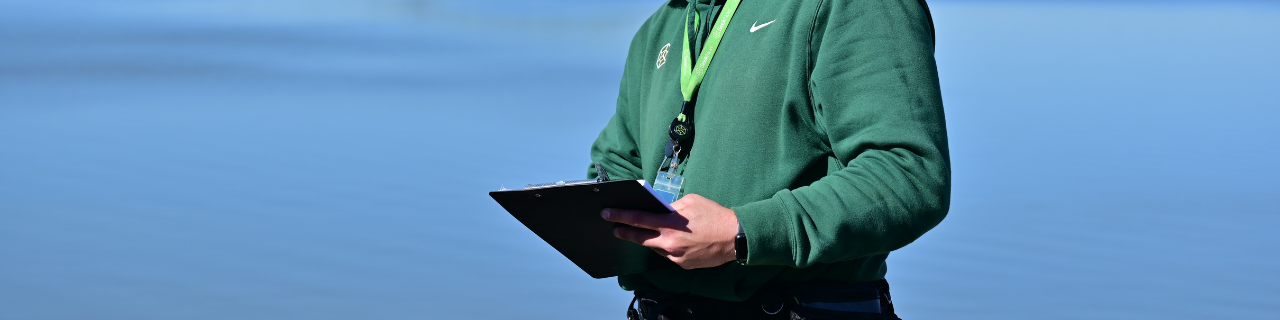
point(699, 234)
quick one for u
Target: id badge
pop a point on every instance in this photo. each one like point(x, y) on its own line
point(668, 183)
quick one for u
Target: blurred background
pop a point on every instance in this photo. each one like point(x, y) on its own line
point(329, 159)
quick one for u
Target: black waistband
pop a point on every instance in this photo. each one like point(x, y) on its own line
point(769, 303)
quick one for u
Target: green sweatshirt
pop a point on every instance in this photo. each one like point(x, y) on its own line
point(819, 123)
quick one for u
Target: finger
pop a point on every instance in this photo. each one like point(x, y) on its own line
point(691, 202)
point(635, 218)
point(644, 237)
point(692, 197)
point(661, 252)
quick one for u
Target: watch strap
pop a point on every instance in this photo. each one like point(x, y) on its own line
point(740, 245)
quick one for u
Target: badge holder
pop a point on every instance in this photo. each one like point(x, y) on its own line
point(668, 183)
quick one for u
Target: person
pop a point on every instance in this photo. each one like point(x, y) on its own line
point(804, 140)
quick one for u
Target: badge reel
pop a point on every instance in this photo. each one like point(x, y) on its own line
point(668, 182)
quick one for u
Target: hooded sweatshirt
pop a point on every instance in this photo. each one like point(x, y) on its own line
point(819, 122)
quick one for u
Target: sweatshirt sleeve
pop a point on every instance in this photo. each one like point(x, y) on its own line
point(615, 148)
point(875, 88)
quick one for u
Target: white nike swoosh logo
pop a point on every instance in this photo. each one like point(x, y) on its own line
point(754, 27)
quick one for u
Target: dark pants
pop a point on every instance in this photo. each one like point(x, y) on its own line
point(817, 301)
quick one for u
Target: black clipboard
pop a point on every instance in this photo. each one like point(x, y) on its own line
point(568, 218)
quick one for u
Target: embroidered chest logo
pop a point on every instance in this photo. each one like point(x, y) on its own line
point(662, 55)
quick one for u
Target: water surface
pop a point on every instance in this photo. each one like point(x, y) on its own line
point(296, 159)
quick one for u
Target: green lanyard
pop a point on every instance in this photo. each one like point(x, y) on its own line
point(681, 129)
point(690, 76)
point(668, 182)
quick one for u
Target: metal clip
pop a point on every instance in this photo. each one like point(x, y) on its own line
point(601, 175)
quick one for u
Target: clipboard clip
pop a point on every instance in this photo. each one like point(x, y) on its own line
point(601, 175)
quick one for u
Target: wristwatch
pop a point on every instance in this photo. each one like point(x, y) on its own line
point(740, 245)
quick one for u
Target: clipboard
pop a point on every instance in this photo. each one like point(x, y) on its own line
point(567, 216)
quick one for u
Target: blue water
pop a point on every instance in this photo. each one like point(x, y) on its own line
point(289, 159)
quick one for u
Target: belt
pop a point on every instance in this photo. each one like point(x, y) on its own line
point(825, 300)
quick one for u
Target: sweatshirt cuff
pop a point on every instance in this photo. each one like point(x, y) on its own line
point(769, 236)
